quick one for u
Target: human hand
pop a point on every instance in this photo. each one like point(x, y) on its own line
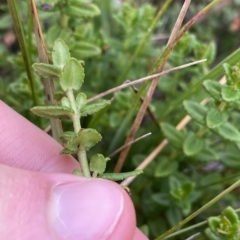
point(41, 200)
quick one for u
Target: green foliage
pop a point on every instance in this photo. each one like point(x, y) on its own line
point(199, 160)
point(226, 226)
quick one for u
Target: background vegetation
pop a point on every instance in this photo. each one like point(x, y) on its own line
point(194, 167)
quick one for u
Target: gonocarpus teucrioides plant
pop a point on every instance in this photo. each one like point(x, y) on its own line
point(69, 73)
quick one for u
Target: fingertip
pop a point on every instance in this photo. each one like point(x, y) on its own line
point(93, 209)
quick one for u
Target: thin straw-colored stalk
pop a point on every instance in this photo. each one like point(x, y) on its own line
point(179, 21)
point(164, 143)
point(130, 143)
point(157, 68)
point(131, 83)
point(47, 83)
point(144, 40)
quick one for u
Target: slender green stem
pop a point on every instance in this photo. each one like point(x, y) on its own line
point(82, 156)
point(222, 105)
point(187, 229)
point(17, 22)
point(94, 175)
point(76, 115)
point(200, 210)
point(81, 153)
point(64, 20)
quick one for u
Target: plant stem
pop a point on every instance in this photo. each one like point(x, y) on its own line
point(82, 157)
point(76, 115)
point(64, 20)
point(81, 153)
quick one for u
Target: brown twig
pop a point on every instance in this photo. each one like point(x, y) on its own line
point(47, 83)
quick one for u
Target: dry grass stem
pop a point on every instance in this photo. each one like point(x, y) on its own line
point(179, 21)
point(131, 83)
point(130, 143)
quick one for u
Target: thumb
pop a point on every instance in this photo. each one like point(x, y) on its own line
point(46, 206)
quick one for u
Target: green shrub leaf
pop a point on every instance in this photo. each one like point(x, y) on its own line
point(86, 138)
point(206, 155)
point(174, 136)
point(98, 163)
point(214, 89)
point(46, 70)
point(165, 167)
point(230, 94)
point(192, 144)
point(60, 53)
point(72, 75)
point(81, 9)
point(94, 107)
point(195, 110)
point(52, 111)
point(216, 118)
point(228, 132)
point(67, 136)
point(85, 50)
point(120, 176)
point(81, 100)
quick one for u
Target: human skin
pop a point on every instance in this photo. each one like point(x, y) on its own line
point(41, 199)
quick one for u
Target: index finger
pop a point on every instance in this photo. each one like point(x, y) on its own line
point(24, 145)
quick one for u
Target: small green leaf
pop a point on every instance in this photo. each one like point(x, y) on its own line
point(174, 136)
point(214, 89)
point(230, 94)
point(81, 9)
point(230, 214)
point(68, 151)
point(183, 192)
point(65, 102)
point(83, 49)
point(216, 118)
point(165, 167)
point(228, 132)
point(94, 107)
point(86, 138)
point(213, 223)
point(192, 144)
point(52, 111)
point(195, 110)
point(60, 53)
point(46, 70)
point(228, 70)
point(72, 75)
point(206, 155)
point(81, 100)
point(67, 136)
point(58, 95)
point(98, 163)
point(77, 172)
point(120, 176)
